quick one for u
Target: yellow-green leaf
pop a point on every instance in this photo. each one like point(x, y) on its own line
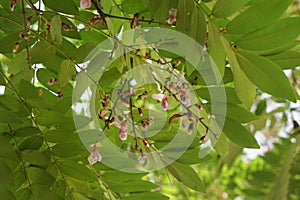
point(66, 72)
point(266, 75)
point(225, 8)
point(55, 29)
point(261, 13)
point(271, 37)
point(244, 88)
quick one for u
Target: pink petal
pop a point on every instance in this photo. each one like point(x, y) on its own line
point(85, 3)
point(158, 97)
point(123, 125)
point(123, 134)
point(94, 156)
point(165, 104)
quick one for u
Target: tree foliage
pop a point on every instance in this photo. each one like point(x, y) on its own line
point(254, 45)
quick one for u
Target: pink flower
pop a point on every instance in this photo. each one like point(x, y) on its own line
point(94, 156)
point(165, 104)
point(173, 16)
point(85, 3)
point(158, 97)
point(123, 134)
point(163, 98)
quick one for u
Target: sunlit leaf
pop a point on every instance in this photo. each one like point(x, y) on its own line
point(41, 52)
point(55, 29)
point(225, 8)
point(66, 72)
point(266, 75)
point(261, 13)
point(186, 175)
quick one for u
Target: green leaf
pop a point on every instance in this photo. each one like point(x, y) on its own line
point(50, 118)
point(7, 42)
point(186, 175)
point(191, 156)
point(40, 192)
point(244, 88)
point(27, 90)
point(84, 50)
point(159, 10)
point(7, 194)
point(41, 52)
point(66, 6)
point(6, 149)
point(2, 80)
point(27, 131)
point(6, 175)
point(221, 146)
point(234, 112)
point(225, 8)
point(238, 134)
point(35, 157)
point(280, 186)
point(134, 6)
point(266, 75)
point(258, 15)
point(58, 135)
point(65, 150)
point(231, 96)
point(73, 33)
point(40, 176)
point(31, 143)
point(7, 116)
point(146, 196)
point(287, 59)
point(191, 20)
point(14, 22)
point(271, 37)
point(134, 186)
point(67, 49)
point(55, 29)
point(78, 171)
point(18, 63)
point(118, 176)
point(216, 49)
point(66, 72)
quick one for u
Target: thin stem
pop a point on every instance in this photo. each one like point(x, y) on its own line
point(20, 157)
point(99, 10)
point(24, 33)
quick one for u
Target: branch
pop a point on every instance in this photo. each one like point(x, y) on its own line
point(101, 13)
